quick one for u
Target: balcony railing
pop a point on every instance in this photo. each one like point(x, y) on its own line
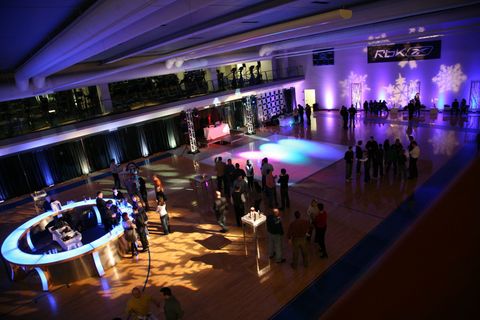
point(29, 115)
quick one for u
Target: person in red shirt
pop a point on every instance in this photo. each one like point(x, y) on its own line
point(320, 224)
point(297, 234)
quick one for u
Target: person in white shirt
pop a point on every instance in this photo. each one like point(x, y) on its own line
point(414, 154)
point(162, 210)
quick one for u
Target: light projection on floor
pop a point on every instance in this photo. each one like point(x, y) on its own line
point(346, 85)
point(449, 78)
point(444, 142)
point(301, 158)
point(401, 92)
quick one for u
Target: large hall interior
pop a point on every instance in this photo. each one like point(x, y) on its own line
point(248, 159)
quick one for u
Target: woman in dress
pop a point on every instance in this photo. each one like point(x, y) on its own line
point(130, 234)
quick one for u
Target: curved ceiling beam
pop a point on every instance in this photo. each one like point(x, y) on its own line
point(99, 22)
point(275, 32)
point(217, 23)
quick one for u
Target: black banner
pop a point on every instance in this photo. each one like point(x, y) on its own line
point(405, 51)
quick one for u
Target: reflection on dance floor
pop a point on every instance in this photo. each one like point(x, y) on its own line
point(301, 158)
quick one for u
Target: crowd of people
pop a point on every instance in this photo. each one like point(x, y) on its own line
point(249, 191)
point(378, 159)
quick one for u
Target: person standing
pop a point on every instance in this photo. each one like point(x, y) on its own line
point(297, 233)
point(158, 185)
point(308, 114)
point(171, 307)
point(257, 195)
point(220, 209)
point(107, 219)
point(264, 167)
point(275, 236)
point(220, 171)
point(348, 163)
point(239, 204)
point(300, 113)
point(249, 171)
point(129, 232)
point(141, 226)
point(402, 163)
point(414, 154)
point(312, 212)
point(359, 156)
point(143, 192)
point(115, 170)
point(320, 223)
point(351, 113)
point(283, 181)
point(229, 177)
point(380, 159)
point(366, 164)
point(270, 188)
point(164, 218)
point(344, 115)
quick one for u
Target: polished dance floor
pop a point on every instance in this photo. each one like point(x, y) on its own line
point(208, 271)
point(301, 158)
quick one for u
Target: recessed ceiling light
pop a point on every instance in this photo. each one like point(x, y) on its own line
point(250, 21)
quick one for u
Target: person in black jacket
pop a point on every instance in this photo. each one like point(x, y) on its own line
point(141, 224)
point(359, 156)
point(348, 163)
point(283, 181)
point(275, 236)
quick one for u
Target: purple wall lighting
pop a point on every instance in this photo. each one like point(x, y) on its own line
point(439, 81)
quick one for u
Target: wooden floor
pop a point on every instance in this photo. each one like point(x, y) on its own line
point(208, 271)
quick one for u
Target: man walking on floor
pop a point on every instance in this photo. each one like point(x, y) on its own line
point(297, 234)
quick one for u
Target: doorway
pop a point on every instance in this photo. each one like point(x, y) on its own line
point(309, 97)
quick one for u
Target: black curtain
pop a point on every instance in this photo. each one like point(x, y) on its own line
point(34, 170)
point(163, 134)
point(12, 181)
point(37, 172)
point(66, 161)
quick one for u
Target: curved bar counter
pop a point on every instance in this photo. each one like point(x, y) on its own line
point(63, 267)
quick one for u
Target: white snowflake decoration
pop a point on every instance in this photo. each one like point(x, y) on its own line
point(449, 78)
point(444, 143)
point(412, 64)
point(376, 40)
point(400, 93)
point(346, 85)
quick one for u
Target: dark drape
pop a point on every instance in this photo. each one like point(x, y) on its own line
point(12, 178)
point(34, 170)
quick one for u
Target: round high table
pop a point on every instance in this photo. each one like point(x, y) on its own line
point(63, 267)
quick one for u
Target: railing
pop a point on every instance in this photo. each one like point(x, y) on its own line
point(27, 115)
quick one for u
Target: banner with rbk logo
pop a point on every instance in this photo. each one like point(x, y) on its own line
point(405, 51)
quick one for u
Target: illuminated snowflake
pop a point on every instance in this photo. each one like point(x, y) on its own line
point(444, 143)
point(401, 92)
point(356, 97)
point(376, 40)
point(449, 78)
point(412, 64)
